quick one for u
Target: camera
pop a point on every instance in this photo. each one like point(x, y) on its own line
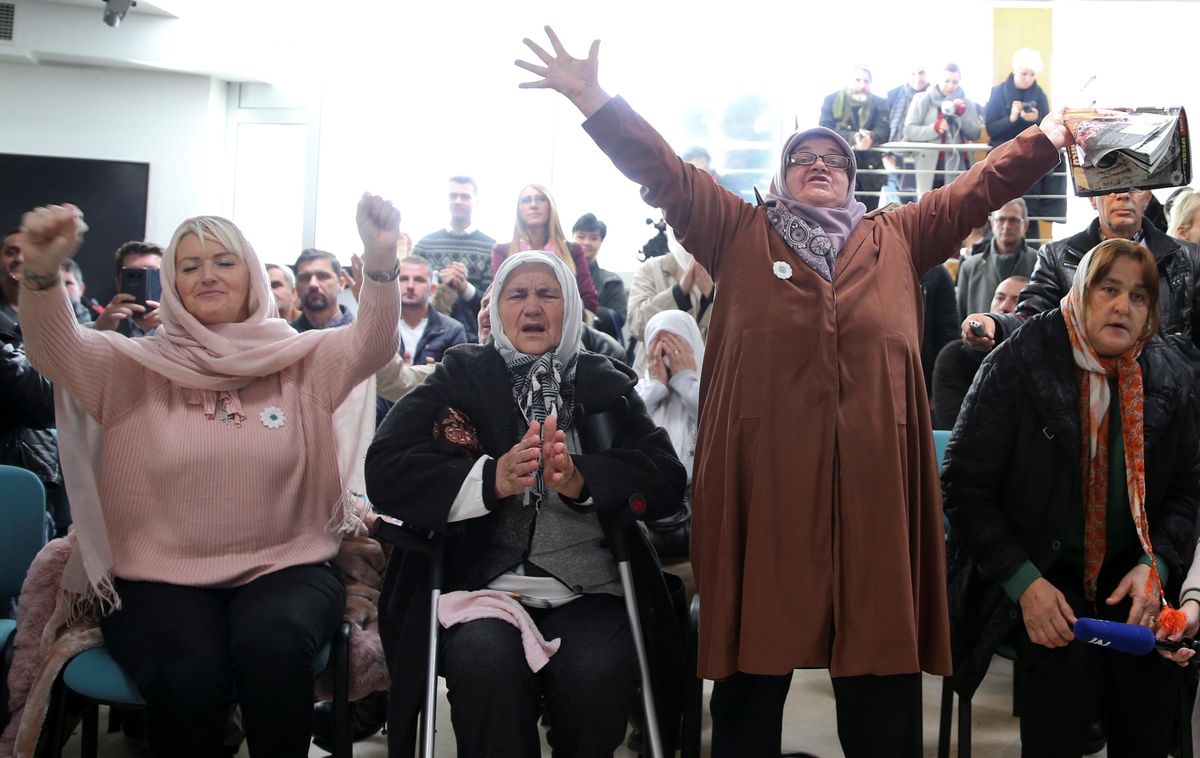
point(1028, 106)
point(948, 108)
point(115, 10)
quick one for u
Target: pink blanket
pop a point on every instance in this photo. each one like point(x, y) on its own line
point(461, 607)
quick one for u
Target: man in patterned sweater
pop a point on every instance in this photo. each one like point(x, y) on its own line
point(462, 256)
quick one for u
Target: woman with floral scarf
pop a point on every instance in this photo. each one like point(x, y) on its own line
point(1071, 486)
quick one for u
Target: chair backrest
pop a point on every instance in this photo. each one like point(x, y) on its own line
point(22, 526)
point(940, 439)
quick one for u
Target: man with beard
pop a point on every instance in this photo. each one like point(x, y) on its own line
point(318, 282)
point(1120, 215)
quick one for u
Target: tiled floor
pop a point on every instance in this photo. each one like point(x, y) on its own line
point(808, 722)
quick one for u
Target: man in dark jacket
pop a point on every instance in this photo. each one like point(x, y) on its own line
point(424, 332)
point(589, 233)
point(862, 119)
point(1119, 215)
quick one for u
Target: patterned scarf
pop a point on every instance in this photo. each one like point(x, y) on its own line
point(807, 239)
point(1094, 401)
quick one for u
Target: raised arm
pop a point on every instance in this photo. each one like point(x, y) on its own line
point(936, 225)
point(79, 359)
point(349, 355)
point(705, 217)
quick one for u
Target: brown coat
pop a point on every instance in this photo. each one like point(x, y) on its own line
point(817, 501)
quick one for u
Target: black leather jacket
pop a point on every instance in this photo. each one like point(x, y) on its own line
point(1178, 264)
point(26, 410)
point(1012, 477)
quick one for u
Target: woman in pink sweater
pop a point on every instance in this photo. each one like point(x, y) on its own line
point(209, 469)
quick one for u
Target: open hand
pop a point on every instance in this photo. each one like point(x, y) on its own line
point(575, 78)
point(515, 469)
point(559, 470)
point(1143, 609)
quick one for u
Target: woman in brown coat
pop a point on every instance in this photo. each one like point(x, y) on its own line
point(817, 536)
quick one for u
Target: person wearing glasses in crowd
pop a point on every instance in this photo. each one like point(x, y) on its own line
point(823, 550)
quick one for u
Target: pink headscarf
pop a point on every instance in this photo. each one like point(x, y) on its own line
point(837, 222)
point(215, 362)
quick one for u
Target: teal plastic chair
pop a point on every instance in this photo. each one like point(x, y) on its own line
point(99, 679)
point(22, 533)
point(941, 438)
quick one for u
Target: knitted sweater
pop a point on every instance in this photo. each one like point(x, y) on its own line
point(196, 501)
point(441, 248)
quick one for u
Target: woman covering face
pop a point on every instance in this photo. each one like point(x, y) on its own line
point(1070, 486)
point(816, 508)
point(518, 451)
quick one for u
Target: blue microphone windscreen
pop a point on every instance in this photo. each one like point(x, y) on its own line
point(1124, 638)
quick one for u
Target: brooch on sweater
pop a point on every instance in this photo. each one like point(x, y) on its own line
point(272, 417)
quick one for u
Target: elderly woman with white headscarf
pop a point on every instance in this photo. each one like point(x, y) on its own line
point(817, 526)
point(520, 452)
point(210, 468)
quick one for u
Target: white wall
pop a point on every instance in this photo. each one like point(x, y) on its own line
point(174, 122)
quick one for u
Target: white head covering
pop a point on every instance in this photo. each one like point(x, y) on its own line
point(677, 416)
point(572, 326)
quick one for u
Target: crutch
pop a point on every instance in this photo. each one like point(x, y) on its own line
point(620, 551)
point(429, 544)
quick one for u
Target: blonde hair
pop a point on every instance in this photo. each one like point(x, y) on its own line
point(1027, 58)
point(227, 234)
point(554, 231)
point(1183, 212)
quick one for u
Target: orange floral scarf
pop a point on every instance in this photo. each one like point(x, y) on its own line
point(1094, 402)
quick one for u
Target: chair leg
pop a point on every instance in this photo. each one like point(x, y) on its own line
point(57, 719)
point(945, 718)
point(693, 702)
point(89, 732)
point(1185, 718)
point(342, 737)
point(964, 727)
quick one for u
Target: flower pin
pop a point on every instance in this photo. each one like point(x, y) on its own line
point(782, 270)
point(272, 417)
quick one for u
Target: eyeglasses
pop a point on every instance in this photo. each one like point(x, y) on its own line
point(1008, 220)
point(531, 199)
point(805, 158)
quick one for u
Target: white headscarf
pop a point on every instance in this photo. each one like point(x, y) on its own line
point(677, 416)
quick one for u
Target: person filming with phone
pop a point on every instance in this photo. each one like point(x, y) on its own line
point(133, 311)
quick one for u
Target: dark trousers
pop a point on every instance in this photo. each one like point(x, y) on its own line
point(587, 687)
point(1064, 689)
point(193, 651)
point(876, 715)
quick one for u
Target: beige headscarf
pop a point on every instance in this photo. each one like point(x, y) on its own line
point(215, 362)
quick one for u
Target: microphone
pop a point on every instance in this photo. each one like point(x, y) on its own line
point(1126, 638)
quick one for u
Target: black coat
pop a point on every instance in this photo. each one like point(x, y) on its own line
point(413, 478)
point(999, 105)
point(1012, 477)
point(26, 410)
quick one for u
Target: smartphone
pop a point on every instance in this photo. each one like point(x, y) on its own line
point(143, 283)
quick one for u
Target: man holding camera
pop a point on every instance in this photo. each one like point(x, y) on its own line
point(862, 119)
point(942, 114)
point(123, 313)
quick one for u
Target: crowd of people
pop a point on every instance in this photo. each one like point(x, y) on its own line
point(762, 397)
